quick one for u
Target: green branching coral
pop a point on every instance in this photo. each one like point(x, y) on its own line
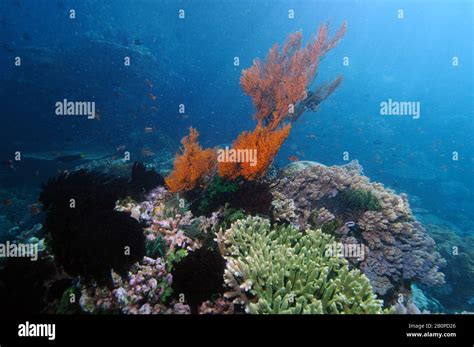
point(281, 270)
point(361, 200)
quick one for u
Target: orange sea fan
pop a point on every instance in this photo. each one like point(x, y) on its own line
point(278, 87)
point(266, 144)
point(281, 81)
point(192, 166)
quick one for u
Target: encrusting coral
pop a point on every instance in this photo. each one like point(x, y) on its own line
point(282, 270)
point(191, 166)
point(399, 250)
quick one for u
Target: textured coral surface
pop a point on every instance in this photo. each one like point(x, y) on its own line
point(398, 248)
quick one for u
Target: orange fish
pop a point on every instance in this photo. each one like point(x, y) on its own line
point(34, 209)
point(152, 97)
point(96, 115)
point(9, 163)
point(293, 158)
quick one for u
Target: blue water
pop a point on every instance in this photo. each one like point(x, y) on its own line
point(190, 62)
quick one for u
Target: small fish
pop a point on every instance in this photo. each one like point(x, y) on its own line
point(25, 36)
point(147, 153)
point(148, 83)
point(148, 130)
point(34, 209)
point(152, 97)
point(69, 158)
point(97, 115)
point(7, 202)
point(154, 109)
point(8, 47)
point(9, 164)
point(138, 42)
point(293, 158)
point(121, 148)
point(350, 224)
point(377, 142)
point(312, 136)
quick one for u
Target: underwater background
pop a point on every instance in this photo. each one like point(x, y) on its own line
point(190, 62)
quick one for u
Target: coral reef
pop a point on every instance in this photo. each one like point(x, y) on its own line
point(216, 194)
point(360, 200)
point(277, 86)
point(398, 248)
point(192, 166)
point(217, 306)
point(145, 290)
point(265, 142)
point(283, 209)
point(281, 270)
point(27, 287)
point(425, 302)
point(294, 66)
point(457, 293)
point(85, 235)
point(143, 180)
point(198, 277)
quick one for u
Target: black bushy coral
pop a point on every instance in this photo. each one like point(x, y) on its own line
point(24, 285)
point(199, 276)
point(89, 189)
point(85, 234)
point(143, 180)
